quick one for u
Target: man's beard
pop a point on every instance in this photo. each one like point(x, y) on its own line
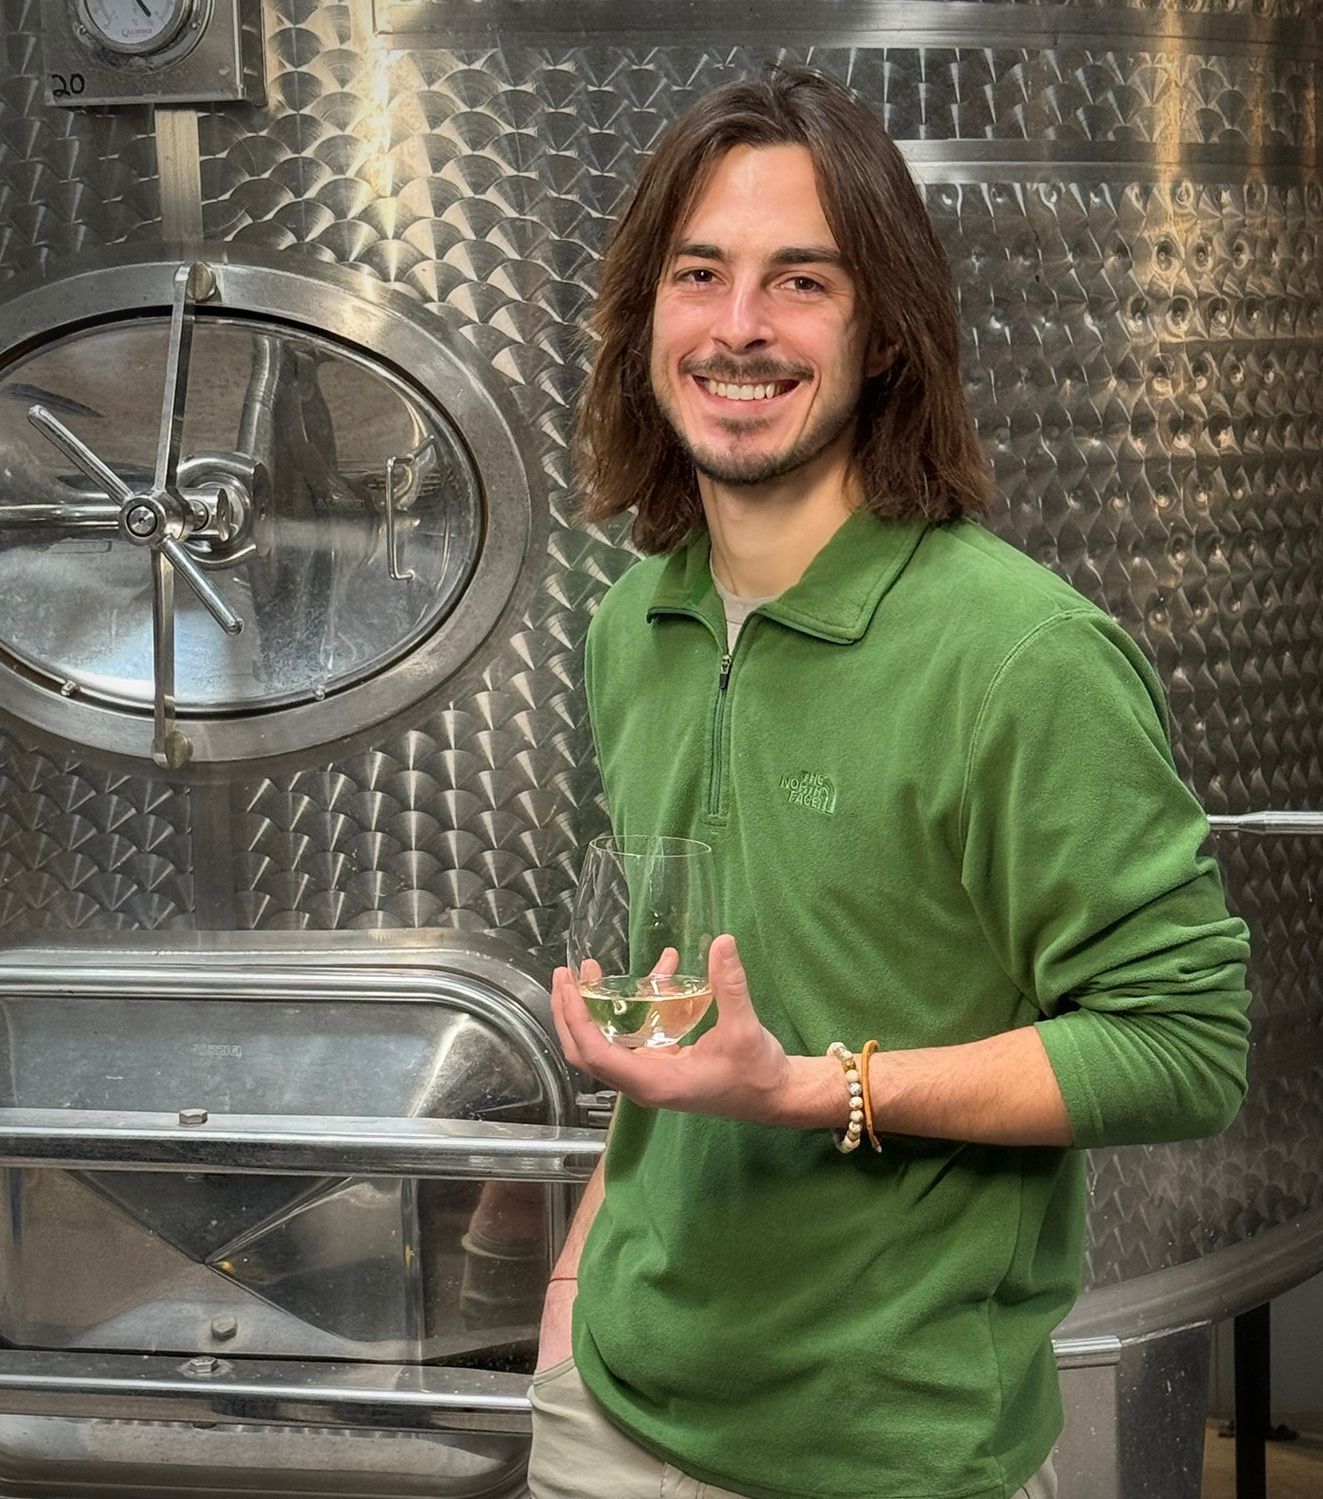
point(749, 470)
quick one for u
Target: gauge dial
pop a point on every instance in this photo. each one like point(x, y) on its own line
point(135, 25)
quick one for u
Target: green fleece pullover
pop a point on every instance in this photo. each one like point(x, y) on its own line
point(943, 805)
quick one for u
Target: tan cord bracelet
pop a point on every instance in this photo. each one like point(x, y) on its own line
point(866, 1056)
point(849, 1139)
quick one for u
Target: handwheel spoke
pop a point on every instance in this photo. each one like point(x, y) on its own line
point(207, 594)
point(192, 283)
point(163, 655)
point(78, 453)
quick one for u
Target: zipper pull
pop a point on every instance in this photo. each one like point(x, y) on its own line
point(723, 681)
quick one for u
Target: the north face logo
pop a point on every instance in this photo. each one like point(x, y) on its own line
point(808, 789)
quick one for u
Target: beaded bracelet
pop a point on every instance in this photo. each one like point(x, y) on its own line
point(849, 1139)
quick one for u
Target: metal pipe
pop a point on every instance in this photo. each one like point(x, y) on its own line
point(271, 1392)
point(296, 1144)
point(1269, 822)
point(73, 517)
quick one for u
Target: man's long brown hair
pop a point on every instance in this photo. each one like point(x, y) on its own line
point(916, 452)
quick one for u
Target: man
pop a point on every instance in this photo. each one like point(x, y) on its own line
point(945, 817)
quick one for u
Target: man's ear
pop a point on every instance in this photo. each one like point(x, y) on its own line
point(880, 358)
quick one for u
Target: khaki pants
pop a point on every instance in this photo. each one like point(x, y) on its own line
point(578, 1454)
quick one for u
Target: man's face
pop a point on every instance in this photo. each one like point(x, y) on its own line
point(758, 358)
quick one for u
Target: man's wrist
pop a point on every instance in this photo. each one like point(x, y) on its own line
point(815, 1096)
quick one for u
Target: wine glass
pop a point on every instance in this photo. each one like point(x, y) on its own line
point(644, 916)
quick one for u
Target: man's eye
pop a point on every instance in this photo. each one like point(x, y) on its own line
point(701, 275)
point(804, 284)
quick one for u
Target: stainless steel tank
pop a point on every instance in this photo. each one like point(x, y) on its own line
point(397, 246)
point(276, 1209)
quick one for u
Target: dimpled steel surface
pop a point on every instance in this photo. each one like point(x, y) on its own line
point(79, 845)
point(1134, 231)
point(1286, 9)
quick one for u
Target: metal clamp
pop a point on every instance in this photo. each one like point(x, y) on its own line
point(414, 468)
point(595, 1109)
point(163, 517)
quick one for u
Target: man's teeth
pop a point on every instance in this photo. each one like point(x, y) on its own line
point(740, 392)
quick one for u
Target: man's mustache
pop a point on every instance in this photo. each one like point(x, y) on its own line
point(750, 372)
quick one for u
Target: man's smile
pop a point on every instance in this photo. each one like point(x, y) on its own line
point(727, 390)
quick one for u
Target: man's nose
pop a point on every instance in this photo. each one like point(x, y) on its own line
point(743, 319)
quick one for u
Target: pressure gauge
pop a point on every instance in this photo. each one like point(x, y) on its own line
point(151, 51)
point(135, 26)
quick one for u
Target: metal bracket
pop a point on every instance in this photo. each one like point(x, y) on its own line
point(415, 467)
point(596, 1108)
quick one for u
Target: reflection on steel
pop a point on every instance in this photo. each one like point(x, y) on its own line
point(310, 1145)
point(181, 173)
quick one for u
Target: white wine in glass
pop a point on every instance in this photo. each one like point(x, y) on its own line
point(644, 917)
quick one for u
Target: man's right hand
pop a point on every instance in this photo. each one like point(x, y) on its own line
point(555, 1339)
point(737, 1069)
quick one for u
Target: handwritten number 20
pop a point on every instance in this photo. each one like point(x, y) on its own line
point(63, 88)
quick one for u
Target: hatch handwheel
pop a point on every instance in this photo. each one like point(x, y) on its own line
point(167, 519)
point(375, 522)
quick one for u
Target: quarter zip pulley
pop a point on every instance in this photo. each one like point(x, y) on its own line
point(718, 727)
